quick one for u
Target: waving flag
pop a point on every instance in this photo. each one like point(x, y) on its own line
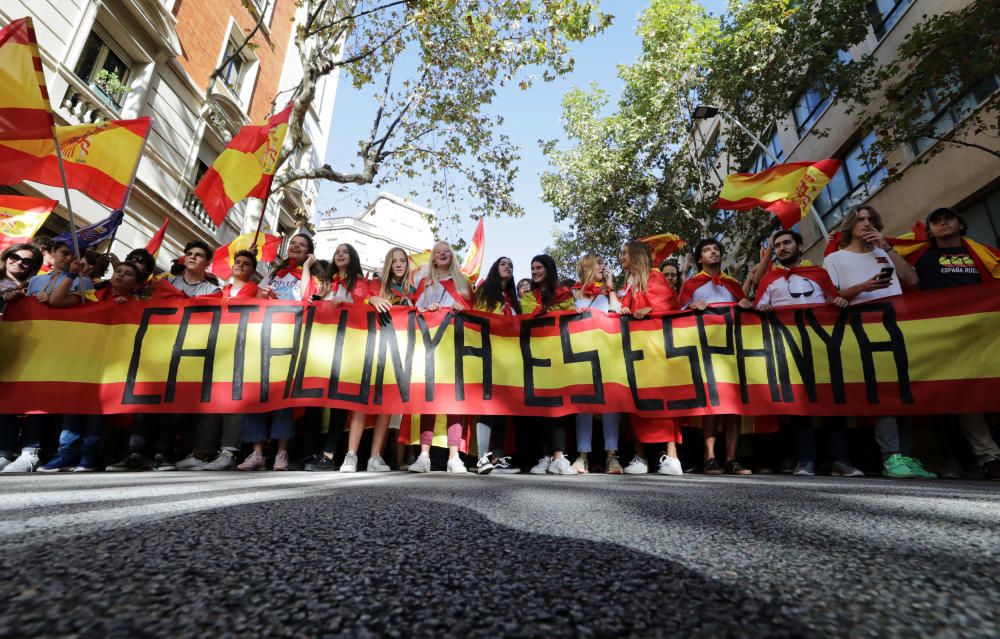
point(21, 217)
point(154, 242)
point(96, 233)
point(246, 168)
point(474, 258)
point(419, 260)
point(25, 113)
point(663, 246)
point(787, 190)
point(100, 159)
point(267, 250)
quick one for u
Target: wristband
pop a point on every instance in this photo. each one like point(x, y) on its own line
point(72, 276)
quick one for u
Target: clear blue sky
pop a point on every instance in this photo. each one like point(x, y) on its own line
point(529, 117)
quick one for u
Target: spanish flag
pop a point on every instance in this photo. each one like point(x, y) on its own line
point(21, 217)
point(473, 264)
point(267, 250)
point(662, 246)
point(25, 113)
point(100, 159)
point(246, 168)
point(419, 260)
point(787, 190)
point(154, 242)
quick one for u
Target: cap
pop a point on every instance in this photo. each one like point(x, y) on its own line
point(941, 212)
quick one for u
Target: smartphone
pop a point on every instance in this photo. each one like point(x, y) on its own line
point(886, 273)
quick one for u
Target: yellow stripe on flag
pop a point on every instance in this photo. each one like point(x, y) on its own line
point(19, 78)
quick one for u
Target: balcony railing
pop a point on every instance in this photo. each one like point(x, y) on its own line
point(197, 212)
point(81, 104)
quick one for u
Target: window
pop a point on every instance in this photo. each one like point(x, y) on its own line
point(232, 75)
point(885, 14)
point(942, 116)
point(855, 181)
point(712, 151)
point(808, 107)
point(105, 69)
point(762, 161)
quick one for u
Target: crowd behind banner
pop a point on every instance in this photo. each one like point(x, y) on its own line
point(864, 268)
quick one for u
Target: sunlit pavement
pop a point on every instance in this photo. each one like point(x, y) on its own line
point(302, 554)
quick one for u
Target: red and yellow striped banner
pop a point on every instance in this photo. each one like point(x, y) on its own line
point(914, 354)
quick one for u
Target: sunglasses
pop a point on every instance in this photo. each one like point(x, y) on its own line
point(26, 261)
point(798, 294)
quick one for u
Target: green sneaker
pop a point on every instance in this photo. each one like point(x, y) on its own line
point(918, 469)
point(897, 467)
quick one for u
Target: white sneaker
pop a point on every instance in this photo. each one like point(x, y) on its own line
point(541, 467)
point(455, 465)
point(670, 466)
point(377, 465)
point(26, 462)
point(422, 465)
point(225, 460)
point(190, 463)
point(483, 466)
point(561, 466)
point(4, 462)
point(350, 464)
point(637, 466)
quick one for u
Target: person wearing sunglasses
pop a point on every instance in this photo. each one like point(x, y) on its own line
point(793, 283)
point(18, 264)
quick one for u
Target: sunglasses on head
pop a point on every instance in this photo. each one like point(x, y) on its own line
point(27, 261)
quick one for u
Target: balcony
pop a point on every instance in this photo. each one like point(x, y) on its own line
point(194, 209)
point(81, 104)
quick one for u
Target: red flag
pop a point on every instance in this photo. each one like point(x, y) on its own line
point(474, 258)
point(246, 168)
point(267, 250)
point(21, 217)
point(662, 246)
point(154, 242)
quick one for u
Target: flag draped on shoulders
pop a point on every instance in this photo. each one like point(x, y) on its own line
point(245, 168)
point(786, 190)
point(697, 281)
point(25, 113)
point(816, 274)
point(986, 258)
point(21, 217)
point(532, 303)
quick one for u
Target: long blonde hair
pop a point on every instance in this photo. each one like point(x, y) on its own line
point(586, 269)
point(641, 263)
point(387, 274)
point(461, 282)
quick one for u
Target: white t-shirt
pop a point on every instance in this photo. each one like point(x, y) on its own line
point(711, 293)
point(795, 291)
point(435, 293)
point(596, 303)
point(285, 287)
point(848, 268)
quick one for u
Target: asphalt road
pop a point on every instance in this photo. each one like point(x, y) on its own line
point(300, 554)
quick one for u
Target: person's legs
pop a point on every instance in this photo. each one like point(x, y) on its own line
point(355, 430)
point(338, 420)
point(803, 440)
point(584, 432)
point(611, 427)
point(710, 427)
point(835, 435)
point(90, 451)
point(70, 440)
point(232, 432)
point(484, 432)
point(977, 433)
point(207, 434)
point(887, 436)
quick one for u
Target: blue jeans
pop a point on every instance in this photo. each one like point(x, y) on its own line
point(255, 426)
point(80, 440)
point(585, 431)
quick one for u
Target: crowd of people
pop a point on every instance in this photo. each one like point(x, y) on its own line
point(864, 267)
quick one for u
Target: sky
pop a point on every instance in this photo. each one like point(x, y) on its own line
point(529, 116)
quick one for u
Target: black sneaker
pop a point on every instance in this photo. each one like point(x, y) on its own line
point(131, 464)
point(322, 464)
point(711, 467)
point(734, 468)
point(991, 469)
point(162, 462)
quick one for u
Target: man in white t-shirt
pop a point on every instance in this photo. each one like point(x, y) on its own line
point(867, 268)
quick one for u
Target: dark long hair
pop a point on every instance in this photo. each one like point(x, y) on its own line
point(36, 260)
point(353, 267)
point(551, 281)
point(315, 270)
point(493, 289)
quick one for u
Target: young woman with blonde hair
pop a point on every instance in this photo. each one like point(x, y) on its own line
point(595, 290)
point(442, 286)
point(646, 291)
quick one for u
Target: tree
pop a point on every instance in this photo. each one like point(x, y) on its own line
point(434, 66)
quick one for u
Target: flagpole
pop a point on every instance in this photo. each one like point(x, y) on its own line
point(128, 189)
point(69, 207)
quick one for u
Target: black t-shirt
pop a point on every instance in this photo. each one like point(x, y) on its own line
point(946, 267)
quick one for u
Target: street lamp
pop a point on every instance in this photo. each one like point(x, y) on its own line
point(704, 111)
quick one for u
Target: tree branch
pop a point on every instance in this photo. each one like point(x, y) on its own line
point(235, 54)
point(357, 15)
